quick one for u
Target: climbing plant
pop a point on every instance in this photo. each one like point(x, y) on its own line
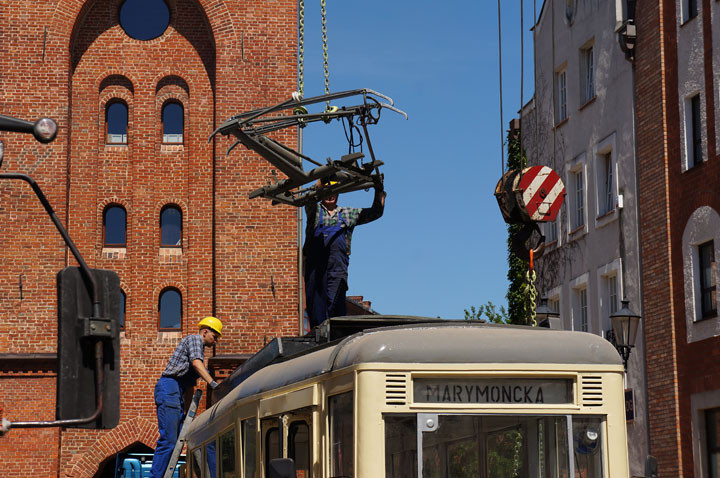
point(520, 305)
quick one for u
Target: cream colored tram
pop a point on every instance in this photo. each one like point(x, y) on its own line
point(449, 400)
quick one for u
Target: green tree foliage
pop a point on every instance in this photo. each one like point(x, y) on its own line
point(490, 312)
point(519, 303)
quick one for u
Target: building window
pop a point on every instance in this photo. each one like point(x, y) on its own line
point(114, 226)
point(554, 304)
point(690, 10)
point(170, 309)
point(693, 131)
point(123, 302)
point(712, 436)
point(706, 258)
point(550, 229)
point(116, 122)
point(170, 227)
point(577, 198)
point(581, 307)
point(561, 100)
point(587, 61)
point(173, 119)
point(605, 183)
point(144, 19)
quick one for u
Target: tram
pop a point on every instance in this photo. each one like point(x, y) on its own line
point(427, 398)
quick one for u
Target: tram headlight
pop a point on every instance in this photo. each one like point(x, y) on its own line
point(591, 436)
point(587, 440)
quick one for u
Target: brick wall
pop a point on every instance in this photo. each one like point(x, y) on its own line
point(655, 29)
point(667, 198)
point(66, 59)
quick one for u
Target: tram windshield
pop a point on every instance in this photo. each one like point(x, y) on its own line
point(426, 445)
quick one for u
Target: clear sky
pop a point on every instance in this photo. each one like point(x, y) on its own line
point(440, 247)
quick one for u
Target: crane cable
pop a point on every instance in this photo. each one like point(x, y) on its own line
point(531, 275)
point(502, 123)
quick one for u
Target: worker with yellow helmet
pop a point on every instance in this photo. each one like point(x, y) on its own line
point(327, 250)
point(186, 364)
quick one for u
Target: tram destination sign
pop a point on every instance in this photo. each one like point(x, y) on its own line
point(501, 391)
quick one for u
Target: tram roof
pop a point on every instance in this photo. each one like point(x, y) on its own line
point(423, 343)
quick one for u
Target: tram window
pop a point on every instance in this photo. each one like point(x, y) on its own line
point(299, 448)
point(272, 446)
point(587, 445)
point(497, 446)
point(249, 444)
point(342, 459)
point(505, 452)
point(211, 460)
point(227, 455)
point(401, 446)
point(195, 463)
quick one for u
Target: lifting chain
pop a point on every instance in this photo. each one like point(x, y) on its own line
point(531, 290)
point(326, 66)
point(301, 48)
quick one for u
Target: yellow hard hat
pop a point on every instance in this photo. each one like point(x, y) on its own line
point(212, 323)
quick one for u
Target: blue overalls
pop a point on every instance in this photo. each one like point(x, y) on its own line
point(170, 406)
point(326, 271)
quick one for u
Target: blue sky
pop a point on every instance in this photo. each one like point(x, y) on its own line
point(440, 247)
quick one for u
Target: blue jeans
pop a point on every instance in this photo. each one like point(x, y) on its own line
point(169, 403)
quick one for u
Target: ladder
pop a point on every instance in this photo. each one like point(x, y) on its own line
point(183, 432)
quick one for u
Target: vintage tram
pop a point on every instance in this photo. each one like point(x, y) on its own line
point(426, 398)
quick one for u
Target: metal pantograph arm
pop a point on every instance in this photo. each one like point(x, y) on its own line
point(352, 174)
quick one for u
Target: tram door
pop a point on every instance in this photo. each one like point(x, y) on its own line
point(289, 436)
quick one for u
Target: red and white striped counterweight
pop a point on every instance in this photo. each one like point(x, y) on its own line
point(534, 194)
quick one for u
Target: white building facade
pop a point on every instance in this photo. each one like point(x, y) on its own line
point(581, 123)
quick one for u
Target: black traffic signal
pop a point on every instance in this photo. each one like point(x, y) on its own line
point(81, 340)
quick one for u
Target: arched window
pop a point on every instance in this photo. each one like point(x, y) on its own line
point(123, 301)
point(170, 309)
point(171, 227)
point(116, 122)
point(114, 226)
point(173, 119)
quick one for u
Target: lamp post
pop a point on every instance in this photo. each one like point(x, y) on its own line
point(625, 324)
point(546, 317)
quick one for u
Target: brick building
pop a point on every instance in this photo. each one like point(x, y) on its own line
point(142, 193)
point(677, 71)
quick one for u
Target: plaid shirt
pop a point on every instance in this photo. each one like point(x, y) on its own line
point(189, 349)
point(352, 216)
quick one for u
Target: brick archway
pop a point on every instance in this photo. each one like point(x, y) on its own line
point(86, 464)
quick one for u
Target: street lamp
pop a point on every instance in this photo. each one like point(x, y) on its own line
point(625, 324)
point(546, 317)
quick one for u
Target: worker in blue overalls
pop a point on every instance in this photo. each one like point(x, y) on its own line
point(186, 364)
point(327, 251)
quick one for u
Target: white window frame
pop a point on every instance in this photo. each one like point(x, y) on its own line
point(577, 167)
point(554, 296)
point(577, 286)
point(561, 96)
point(688, 151)
point(604, 275)
point(699, 403)
point(703, 226)
point(601, 151)
point(587, 72)
point(551, 231)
